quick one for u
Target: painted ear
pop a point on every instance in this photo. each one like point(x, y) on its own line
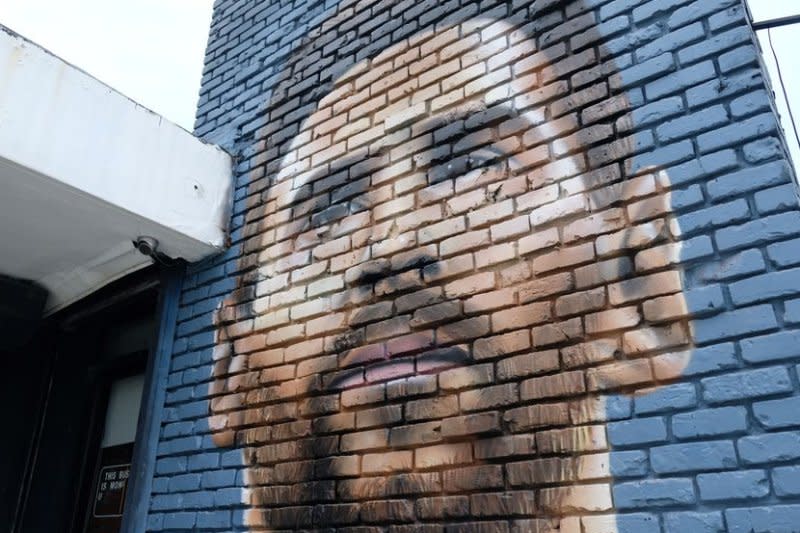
point(640, 373)
point(224, 402)
point(651, 297)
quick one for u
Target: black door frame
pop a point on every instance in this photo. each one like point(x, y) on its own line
point(155, 363)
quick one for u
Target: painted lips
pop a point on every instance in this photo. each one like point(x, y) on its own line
point(376, 363)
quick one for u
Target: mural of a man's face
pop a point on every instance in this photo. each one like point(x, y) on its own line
point(452, 267)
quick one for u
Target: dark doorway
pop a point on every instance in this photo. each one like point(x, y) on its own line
point(71, 398)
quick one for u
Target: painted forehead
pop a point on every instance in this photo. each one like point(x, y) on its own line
point(418, 95)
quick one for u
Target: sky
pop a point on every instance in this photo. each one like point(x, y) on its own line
point(786, 40)
point(152, 50)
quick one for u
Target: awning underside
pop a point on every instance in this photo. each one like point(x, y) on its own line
point(84, 171)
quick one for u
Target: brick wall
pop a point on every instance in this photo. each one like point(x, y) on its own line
point(495, 266)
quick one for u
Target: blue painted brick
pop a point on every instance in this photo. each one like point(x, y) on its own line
point(184, 483)
point(786, 480)
point(193, 409)
point(625, 43)
point(781, 345)
point(616, 7)
point(169, 414)
point(767, 519)
point(741, 264)
point(778, 414)
point(697, 10)
point(194, 375)
point(692, 124)
point(750, 104)
point(171, 465)
point(680, 80)
point(693, 457)
point(187, 360)
point(714, 45)
point(689, 197)
point(205, 307)
point(705, 301)
point(214, 519)
point(763, 230)
point(748, 180)
point(763, 150)
point(710, 423)
point(174, 380)
point(618, 407)
point(654, 8)
point(671, 41)
point(651, 493)
point(732, 15)
point(215, 479)
point(735, 134)
point(749, 320)
point(208, 443)
point(605, 30)
point(696, 248)
point(791, 313)
point(634, 523)
point(155, 522)
point(777, 199)
point(232, 458)
point(637, 431)
point(658, 111)
point(711, 359)
point(194, 295)
point(703, 167)
point(694, 522)
point(179, 346)
point(201, 390)
point(222, 287)
point(740, 485)
point(160, 485)
point(179, 520)
point(177, 429)
point(713, 217)
point(746, 384)
point(166, 502)
point(228, 497)
point(652, 68)
point(627, 464)
point(720, 89)
point(199, 341)
point(202, 499)
point(784, 254)
point(769, 286)
point(769, 448)
point(185, 313)
point(664, 156)
point(181, 445)
point(180, 395)
point(204, 461)
point(209, 272)
point(740, 57)
point(667, 398)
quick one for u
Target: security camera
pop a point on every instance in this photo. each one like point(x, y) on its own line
point(146, 245)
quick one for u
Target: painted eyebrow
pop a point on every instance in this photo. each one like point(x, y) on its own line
point(479, 117)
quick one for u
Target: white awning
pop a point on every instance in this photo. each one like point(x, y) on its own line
point(84, 171)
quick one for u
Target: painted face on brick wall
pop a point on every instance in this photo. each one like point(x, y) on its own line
point(452, 269)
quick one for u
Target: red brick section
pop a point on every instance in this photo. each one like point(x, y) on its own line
point(439, 286)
